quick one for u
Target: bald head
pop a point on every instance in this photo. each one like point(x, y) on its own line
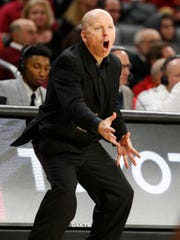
point(172, 71)
point(122, 55)
point(156, 72)
point(98, 33)
point(172, 63)
point(23, 31)
point(125, 63)
point(146, 34)
point(145, 38)
point(91, 16)
point(157, 66)
point(20, 23)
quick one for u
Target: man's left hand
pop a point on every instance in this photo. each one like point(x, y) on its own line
point(126, 150)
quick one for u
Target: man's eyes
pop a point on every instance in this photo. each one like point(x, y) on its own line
point(97, 28)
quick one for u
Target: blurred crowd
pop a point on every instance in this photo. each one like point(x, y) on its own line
point(147, 44)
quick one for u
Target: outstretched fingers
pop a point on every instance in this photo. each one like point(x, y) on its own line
point(107, 131)
point(135, 152)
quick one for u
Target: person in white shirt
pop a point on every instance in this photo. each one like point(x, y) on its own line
point(171, 80)
point(34, 66)
point(146, 98)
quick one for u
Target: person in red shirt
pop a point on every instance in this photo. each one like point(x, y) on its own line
point(23, 32)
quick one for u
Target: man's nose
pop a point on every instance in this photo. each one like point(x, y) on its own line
point(43, 72)
point(105, 31)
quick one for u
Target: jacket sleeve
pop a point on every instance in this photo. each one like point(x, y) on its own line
point(119, 123)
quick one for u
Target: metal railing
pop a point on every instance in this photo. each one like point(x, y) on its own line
point(10, 67)
point(7, 111)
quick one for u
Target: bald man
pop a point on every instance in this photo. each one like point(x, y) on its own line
point(125, 96)
point(23, 32)
point(144, 39)
point(79, 110)
point(166, 97)
point(167, 100)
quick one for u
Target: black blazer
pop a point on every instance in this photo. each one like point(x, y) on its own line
point(68, 120)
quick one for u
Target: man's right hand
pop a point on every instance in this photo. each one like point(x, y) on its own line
point(107, 131)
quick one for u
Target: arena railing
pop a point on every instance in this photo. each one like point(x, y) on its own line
point(22, 112)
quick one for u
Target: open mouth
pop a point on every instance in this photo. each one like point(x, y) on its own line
point(106, 44)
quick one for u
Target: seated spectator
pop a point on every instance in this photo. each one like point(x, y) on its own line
point(125, 97)
point(146, 97)
point(157, 51)
point(41, 13)
point(23, 32)
point(164, 23)
point(34, 67)
point(171, 80)
point(143, 41)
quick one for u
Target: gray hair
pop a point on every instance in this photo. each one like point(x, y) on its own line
point(157, 66)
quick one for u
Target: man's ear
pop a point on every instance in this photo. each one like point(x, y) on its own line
point(83, 35)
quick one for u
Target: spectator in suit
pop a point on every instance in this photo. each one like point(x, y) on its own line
point(34, 67)
point(23, 32)
point(143, 41)
point(125, 96)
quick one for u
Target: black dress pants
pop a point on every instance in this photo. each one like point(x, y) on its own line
point(105, 183)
